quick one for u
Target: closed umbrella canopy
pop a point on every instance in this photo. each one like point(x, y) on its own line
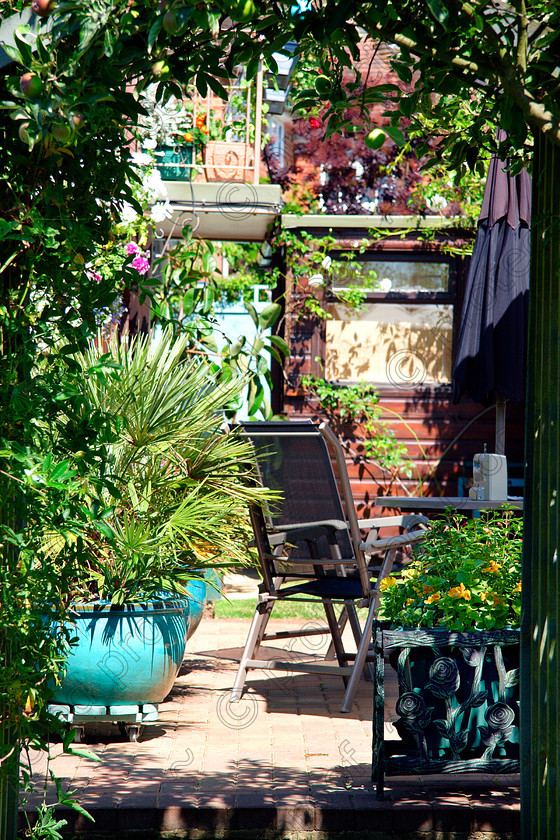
point(491, 355)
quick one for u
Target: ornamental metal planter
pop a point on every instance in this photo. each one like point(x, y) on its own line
point(458, 704)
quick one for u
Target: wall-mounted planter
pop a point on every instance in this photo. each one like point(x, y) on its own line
point(458, 704)
point(174, 162)
point(228, 161)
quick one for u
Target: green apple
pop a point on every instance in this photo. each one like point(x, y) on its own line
point(62, 132)
point(244, 10)
point(322, 85)
point(170, 22)
point(23, 131)
point(161, 69)
point(375, 139)
point(31, 85)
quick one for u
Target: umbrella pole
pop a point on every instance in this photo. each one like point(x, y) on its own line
point(500, 442)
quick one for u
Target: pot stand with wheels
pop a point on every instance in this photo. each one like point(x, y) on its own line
point(129, 718)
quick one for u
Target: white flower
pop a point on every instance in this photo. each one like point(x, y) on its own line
point(315, 280)
point(128, 214)
point(142, 159)
point(386, 284)
point(153, 185)
point(161, 211)
point(327, 262)
point(437, 202)
point(358, 168)
point(149, 143)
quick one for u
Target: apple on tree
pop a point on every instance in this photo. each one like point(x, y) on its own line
point(375, 138)
point(31, 85)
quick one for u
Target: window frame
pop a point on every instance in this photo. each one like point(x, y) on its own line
point(387, 255)
point(413, 254)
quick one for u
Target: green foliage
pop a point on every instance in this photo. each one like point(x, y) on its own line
point(465, 575)
point(171, 493)
point(358, 406)
point(244, 271)
point(309, 258)
point(185, 299)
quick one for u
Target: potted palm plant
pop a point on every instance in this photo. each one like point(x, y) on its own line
point(449, 626)
point(167, 502)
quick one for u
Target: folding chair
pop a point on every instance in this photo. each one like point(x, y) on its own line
point(311, 549)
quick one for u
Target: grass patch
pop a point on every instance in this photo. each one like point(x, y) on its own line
point(245, 607)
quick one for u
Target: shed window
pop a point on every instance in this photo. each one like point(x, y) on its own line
point(403, 334)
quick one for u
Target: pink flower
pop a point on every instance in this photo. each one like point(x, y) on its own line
point(141, 264)
point(132, 248)
point(314, 122)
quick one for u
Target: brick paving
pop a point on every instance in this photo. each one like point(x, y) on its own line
point(284, 762)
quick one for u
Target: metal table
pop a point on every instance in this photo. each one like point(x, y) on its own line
point(423, 503)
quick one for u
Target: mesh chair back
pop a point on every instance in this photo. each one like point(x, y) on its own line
point(293, 458)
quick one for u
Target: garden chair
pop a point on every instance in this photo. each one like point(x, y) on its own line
point(310, 549)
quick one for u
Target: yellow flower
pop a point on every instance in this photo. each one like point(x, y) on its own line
point(433, 598)
point(427, 589)
point(497, 599)
point(387, 582)
point(188, 137)
point(518, 587)
point(460, 592)
point(493, 567)
point(409, 601)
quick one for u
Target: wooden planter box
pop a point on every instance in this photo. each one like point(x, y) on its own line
point(458, 704)
point(228, 161)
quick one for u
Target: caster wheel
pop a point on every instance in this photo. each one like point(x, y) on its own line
point(78, 734)
point(133, 733)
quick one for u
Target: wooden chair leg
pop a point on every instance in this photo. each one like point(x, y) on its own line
point(256, 633)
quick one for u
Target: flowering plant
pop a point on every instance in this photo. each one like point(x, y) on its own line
point(466, 576)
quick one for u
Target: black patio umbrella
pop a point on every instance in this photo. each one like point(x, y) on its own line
point(490, 365)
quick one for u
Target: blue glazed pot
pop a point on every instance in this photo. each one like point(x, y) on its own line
point(129, 653)
point(199, 593)
point(196, 594)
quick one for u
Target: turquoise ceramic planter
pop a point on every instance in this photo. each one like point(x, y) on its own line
point(126, 654)
point(196, 594)
point(200, 593)
point(172, 162)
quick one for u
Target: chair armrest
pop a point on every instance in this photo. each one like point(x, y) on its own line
point(407, 520)
point(307, 530)
point(393, 542)
point(307, 561)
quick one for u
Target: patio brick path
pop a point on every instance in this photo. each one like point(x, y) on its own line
point(284, 762)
